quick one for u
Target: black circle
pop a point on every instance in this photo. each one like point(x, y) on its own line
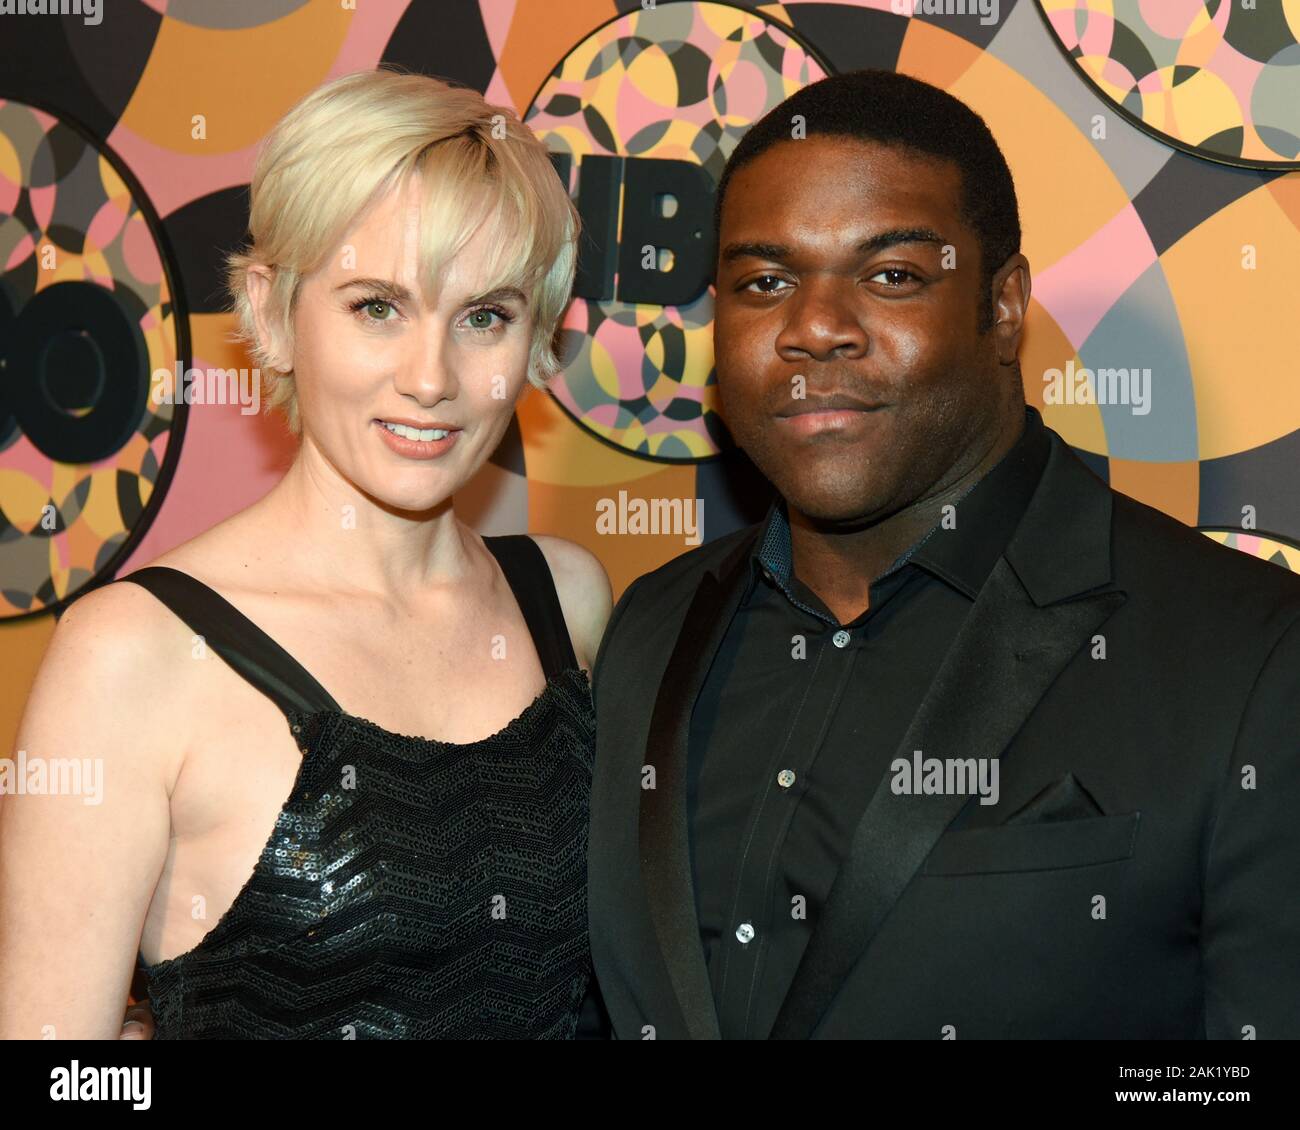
point(108, 562)
point(71, 371)
point(112, 376)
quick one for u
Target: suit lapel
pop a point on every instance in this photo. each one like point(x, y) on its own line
point(1019, 634)
point(664, 842)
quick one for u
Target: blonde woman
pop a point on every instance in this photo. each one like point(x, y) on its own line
point(346, 741)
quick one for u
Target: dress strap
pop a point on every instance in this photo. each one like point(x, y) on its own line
point(524, 565)
point(234, 637)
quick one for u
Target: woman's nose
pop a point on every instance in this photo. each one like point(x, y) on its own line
point(425, 371)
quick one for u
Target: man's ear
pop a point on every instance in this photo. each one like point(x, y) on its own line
point(258, 281)
point(1011, 289)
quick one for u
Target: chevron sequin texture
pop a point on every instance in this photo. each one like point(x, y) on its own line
point(442, 895)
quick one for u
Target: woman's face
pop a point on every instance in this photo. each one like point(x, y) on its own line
point(406, 394)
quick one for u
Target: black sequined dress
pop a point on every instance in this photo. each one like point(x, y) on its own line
point(411, 888)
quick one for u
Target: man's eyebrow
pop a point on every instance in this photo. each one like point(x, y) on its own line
point(780, 252)
point(734, 251)
point(901, 235)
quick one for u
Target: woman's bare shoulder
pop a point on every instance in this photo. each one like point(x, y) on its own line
point(584, 591)
point(110, 652)
point(119, 637)
point(113, 624)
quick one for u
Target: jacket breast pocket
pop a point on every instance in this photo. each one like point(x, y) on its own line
point(1052, 845)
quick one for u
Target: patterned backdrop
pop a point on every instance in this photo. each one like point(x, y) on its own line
point(1155, 146)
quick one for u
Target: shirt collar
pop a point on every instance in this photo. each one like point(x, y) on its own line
point(962, 556)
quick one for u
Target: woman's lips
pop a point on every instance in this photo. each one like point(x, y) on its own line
point(415, 448)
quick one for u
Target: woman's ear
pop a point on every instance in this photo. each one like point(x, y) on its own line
point(258, 280)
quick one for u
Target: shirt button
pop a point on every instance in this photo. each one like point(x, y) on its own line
point(745, 932)
point(785, 778)
point(840, 638)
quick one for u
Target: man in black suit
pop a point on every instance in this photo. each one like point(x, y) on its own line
point(957, 742)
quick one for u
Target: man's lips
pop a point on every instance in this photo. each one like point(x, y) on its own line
point(838, 402)
point(831, 415)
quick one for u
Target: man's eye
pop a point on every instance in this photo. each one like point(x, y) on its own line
point(895, 271)
point(762, 279)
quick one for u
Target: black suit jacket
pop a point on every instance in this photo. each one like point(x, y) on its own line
point(1133, 678)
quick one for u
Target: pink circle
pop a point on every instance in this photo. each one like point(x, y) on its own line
point(635, 111)
point(22, 249)
point(106, 225)
point(746, 91)
point(603, 415)
point(1170, 18)
point(1121, 78)
point(140, 253)
point(23, 457)
point(1098, 34)
point(9, 191)
point(43, 204)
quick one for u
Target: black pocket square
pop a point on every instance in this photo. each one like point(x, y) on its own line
point(1065, 799)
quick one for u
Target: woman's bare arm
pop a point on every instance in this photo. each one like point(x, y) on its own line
point(584, 592)
point(79, 861)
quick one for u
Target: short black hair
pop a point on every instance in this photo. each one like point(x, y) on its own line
point(896, 109)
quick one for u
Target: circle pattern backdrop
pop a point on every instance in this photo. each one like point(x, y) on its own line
point(1267, 548)
point(680, 82)
point(1215, 77)
point(86, 315)
point(1145, 255)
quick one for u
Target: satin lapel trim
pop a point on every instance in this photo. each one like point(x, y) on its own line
point(664, 842)
point(1005, 656)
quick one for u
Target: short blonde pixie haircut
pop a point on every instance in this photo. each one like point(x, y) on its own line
point(346, 145)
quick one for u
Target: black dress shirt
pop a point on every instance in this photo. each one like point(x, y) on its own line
point(798, 720)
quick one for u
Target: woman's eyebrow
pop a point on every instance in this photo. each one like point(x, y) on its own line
point(500, 294)
point(395, 292)
point(384, 288)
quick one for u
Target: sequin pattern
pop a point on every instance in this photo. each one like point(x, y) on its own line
point(411, 889)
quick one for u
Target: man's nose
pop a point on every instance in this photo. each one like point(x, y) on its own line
point(823, 321)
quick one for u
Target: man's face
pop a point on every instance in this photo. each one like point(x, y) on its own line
point(884, 338)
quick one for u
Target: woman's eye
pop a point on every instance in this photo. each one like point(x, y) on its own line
point(375, 310)
point(486, 314)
